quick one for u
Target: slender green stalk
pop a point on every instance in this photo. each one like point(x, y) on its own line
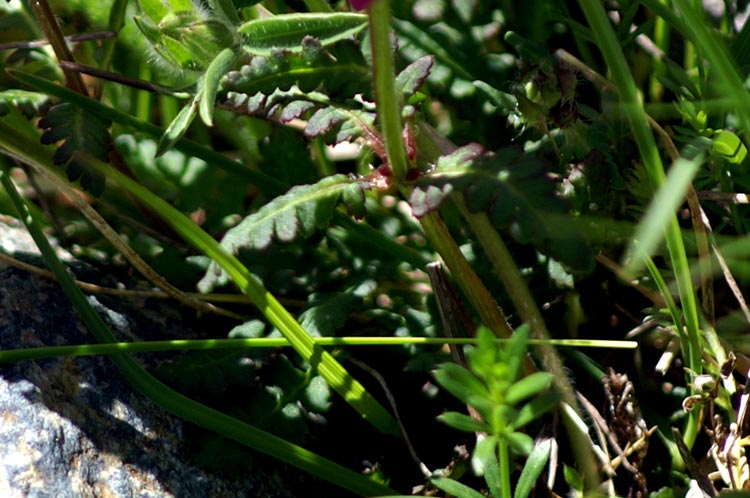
point(468, 281)
point(638, 120)
point(175, 402)
point(10, 355)
point(503, 458)
point(387, 101)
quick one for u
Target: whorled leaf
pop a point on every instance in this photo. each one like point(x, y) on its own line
point(81, 134)
point(298, 213)
point(286, 32)
point(342, 71)
point(514, 191)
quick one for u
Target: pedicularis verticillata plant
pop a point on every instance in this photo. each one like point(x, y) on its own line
point(341, 147)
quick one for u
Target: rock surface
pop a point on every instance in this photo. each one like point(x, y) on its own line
point(72, 427)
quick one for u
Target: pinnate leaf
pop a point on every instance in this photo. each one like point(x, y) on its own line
point(516, 193)
point(82, 134)
point(343, 70)
point(299, 212)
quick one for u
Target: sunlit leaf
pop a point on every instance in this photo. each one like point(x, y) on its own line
point(299, 212)
point(484, 455)
point(460, 382)
point(529, 386)
point(455, 488)
point(533, 467)
point(287, 31)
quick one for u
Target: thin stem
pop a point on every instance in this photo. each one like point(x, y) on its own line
point(387, 101)
point(503, 458)
point(638, 120)
point(109, 348)
point(52, 31)
point(468, 281)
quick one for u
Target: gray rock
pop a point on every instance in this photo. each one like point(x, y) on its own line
point(72, 427)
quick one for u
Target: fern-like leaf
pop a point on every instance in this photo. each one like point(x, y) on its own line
point(333, 122)
point(516, 194)
point(342, 70)
point(83, 134)
point(299, 212)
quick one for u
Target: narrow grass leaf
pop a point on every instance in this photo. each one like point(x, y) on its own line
point(533, 468)
point(660, 213)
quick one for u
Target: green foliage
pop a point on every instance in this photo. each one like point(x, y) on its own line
point(83, 135)
point(335, 71)
point(299, 212)
point(506, 402)
point(515, 193)
point(287, 33)
point(500, 109)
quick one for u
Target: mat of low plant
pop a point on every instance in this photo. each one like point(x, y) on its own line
point(443, 247)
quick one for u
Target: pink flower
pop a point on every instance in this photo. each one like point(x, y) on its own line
point(360, 4)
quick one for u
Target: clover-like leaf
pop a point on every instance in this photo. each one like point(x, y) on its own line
point(82, 134)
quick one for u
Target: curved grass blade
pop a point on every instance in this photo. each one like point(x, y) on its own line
point(10, 355)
